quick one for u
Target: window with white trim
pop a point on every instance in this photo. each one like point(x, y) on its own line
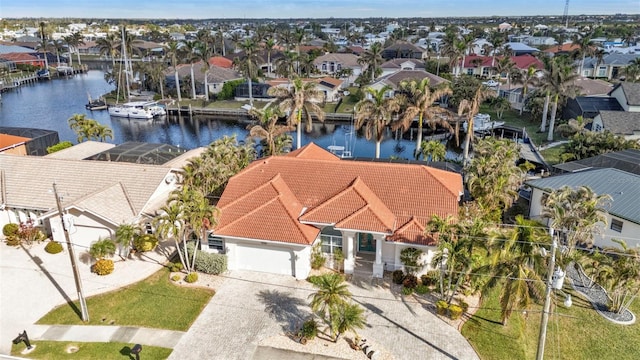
point(215, 243)
point(330, 243)
point(616, 225)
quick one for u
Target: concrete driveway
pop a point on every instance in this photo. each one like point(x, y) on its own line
point(250, 307)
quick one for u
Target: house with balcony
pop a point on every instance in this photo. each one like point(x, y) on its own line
point(275, 211)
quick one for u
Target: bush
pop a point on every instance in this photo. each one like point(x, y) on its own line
point(175, 267)
point(309, 329)
point(10, 230)
point(314, 279)
point(206, 262)
point(145, 242)
point(422, 289)
point(455, 312)
point(317, 257)
point(407, 291)
point(410, 281)
point(53, 247)
point(410, 258)
point(191, 277)
point(102, 249)
point(13, 240)
point(430, 278)
point(59, 146)
point(442, 307)
point(175, 278)
point(398, 276)
point(103, 267)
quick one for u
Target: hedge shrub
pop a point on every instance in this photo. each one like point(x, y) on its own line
point(407, 290)
point(103, 267)
point(442, 307)
point(455, 312)
point(145, 242)
point(398, 276)
point(422, 289)
point(410, 281)
point(53, 247)
point(10, 230)
point(309, 329)
point(191, 277)
point(430, 278)
point(208, 263)
point(175, 267)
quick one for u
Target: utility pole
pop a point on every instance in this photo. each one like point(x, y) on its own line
point(547, 299)
point(72, 256)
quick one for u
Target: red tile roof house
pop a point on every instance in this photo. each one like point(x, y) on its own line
point(276, 209)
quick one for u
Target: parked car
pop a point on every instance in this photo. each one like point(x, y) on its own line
point(491, 83)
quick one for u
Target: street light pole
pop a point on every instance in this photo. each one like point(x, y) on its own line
point(72, 256)
point(547, 299)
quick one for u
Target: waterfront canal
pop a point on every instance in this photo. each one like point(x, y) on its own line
point(48, 105)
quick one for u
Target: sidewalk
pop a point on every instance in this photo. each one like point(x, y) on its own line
point(94, 333)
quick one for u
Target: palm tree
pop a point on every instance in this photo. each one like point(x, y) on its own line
point(506, 66)
point(584, 47)
point(421, 101)
point(632, 71)
point(471, 107)
point(347, 317)
point(300, 99)
point(516, 265)
point(332, 292)
point(433, 150)
point(269, 44)
point(575, 213)
point(204, 53)
point(172, 51)
point(372, 58)
point(44, 44)
point(170, 224)
point(250, 64)
point(268, 129)
point(89, 129)
point(102, 249)
point(374, 112)
point(108, 46)
point(559, 82)
point(125, 234)
point(189, 50)
point(528, 77)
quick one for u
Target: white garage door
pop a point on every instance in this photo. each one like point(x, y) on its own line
point(271, 260)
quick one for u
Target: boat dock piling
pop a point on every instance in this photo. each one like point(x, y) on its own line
point(236, 113)
point(9, 83)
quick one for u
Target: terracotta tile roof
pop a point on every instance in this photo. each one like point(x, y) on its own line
point(521, 61)
point(269, 213)
point(335, 188)
point(413, 232)
point(19, 57)
point(221, 61)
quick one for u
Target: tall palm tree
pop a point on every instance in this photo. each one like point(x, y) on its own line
point(584, 47)
point(528, 78)
point(204, 53)
point(109, 46)
point(506, 66)
point(298, 100)
point(172, 51)
point(268, 129)
point(332, 292)
point(269, 45)
point(191, 56)
point(516, 264)
point(559, 82)
point(169, 225)
point(249, 64)
point(372, 58)
point(375, 112)
point(421, 101)
point(471, 107)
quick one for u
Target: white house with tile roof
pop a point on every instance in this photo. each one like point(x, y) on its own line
point(98, 196)
point(623, 212)
point(274, 211)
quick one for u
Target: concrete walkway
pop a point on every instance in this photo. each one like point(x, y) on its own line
point(33, 282)
point(91, 333)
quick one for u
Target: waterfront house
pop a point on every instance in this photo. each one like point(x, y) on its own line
point(277, 209)
point(334, 63)
point(216, 77)
point(393, 80)
point(610, 67)
point(395, 65)
point(96, 196)
point(484, 66)
point(623, 214)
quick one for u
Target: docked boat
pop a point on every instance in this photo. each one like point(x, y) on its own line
point(64, 70)
point(138, 110)
point(96, 104)
point(43, 73)
point(483, 123)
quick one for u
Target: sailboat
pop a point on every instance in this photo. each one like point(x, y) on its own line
point(96, 104)
point(134, 109)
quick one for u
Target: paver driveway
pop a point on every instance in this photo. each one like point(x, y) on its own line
point(249, 307)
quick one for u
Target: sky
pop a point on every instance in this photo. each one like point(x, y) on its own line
point(205, 9)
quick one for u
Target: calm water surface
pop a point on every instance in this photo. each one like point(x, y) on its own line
point(48, 105)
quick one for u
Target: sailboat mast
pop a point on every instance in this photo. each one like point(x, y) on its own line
point(126, 63)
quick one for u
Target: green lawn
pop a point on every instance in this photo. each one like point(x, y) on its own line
point(577, 333)
point(552, 155)
point(58, 350)
point(154, 302)
point(513, 118)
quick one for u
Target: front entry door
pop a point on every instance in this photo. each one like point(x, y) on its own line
point(366, 243)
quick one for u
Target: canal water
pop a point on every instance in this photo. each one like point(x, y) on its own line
point(49, 104)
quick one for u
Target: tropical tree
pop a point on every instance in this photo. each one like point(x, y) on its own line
point(89, 129)
point(102, 249)
point(269, 45)
point(204, 53)
point(374, 112)
point(169, 224)
point(632, 71)
point(347, 317)
point(528, 77)
point(268, 130)
point(470, 107)
point(500, 105)
point(332, 293)
point(421, 102)
point(172, 51)
point(575, 213)
point(515, 265)
point(249, 64)
point(558, 81)
point(493, 177)
point(372, 58)
point(433, 150)
point(584, 48)
point(299, 99)
point(586, 144)
point(125, 234)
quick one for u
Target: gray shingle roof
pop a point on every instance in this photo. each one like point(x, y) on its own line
point(27, 182)
point(610, 59)
point(81, 151)
point(623, 187)
point(396, 63)
point(625, 160)
point(631, 92)
point(620, 122)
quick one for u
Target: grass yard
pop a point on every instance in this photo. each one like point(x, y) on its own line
point(154, 302)
point(58, 350)
point(577, 333)
point(552, 155)
point(513, 118)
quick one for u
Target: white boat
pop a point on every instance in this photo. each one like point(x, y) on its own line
point(482, 123)
point(138, 110)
